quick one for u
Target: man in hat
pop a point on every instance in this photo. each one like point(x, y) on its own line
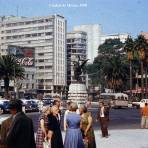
point(21, 133)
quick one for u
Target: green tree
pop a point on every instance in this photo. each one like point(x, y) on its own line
point(112, 65)
point(9, 70)
point(129, 48)
point(141, 46)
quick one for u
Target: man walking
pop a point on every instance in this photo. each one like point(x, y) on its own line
point(103, 117)
point(4, 131)
point(144, 118)
point(20, 134)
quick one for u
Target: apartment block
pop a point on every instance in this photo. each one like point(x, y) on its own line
point(47, 35)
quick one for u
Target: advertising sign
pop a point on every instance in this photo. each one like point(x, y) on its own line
point(24, 55)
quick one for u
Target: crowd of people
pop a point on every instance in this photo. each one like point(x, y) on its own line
point(17, 131)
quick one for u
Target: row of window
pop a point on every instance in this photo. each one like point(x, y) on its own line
point(44, 67)
point(30, 76)
point(28, 35)
point(44, 80)
point(27, 22)
point(28, 29)
point(78, 40)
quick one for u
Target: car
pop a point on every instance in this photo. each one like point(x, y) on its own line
point(4, 105)
point(30, 105)
point(47, 102)
point(140, 104)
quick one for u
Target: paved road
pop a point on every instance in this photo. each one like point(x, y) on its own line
point(119, 119)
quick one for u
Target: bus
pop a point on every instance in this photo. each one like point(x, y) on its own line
point(115, 100)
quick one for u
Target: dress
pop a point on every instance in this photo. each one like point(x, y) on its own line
point(73, 138)
point(54, 125)
point(40, 135)
point(90, 134)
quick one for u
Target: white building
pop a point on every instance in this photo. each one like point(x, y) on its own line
point(48, 36)
point(76, 48)
point(121, 36)
point(93, 36)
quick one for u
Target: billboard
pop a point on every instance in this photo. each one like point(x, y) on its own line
point(25, 56)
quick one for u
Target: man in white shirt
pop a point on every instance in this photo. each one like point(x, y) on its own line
point(103, 116)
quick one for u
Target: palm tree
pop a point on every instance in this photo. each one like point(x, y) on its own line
point(129, 48)
point(9, 70)
point(141, 46)
point(115, 72)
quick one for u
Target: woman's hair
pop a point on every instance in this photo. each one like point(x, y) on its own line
point(84, 108)
point(46, 109)
point(73, 106)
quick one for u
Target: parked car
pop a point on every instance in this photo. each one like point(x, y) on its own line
point(30, 105)
point(4, 105)
point(139, 104)
point(47, 102)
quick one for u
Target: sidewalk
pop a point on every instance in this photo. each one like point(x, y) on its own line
point(126, 138)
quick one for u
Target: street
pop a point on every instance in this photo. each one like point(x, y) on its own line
point(127, 118)
point(119, 119)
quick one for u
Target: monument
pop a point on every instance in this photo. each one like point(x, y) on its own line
point(77, 90)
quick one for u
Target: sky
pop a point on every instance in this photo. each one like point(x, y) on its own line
point(115, 16)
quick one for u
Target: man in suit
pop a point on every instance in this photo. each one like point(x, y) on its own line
point(20, 134)
point(103, 116)
point(4, 130)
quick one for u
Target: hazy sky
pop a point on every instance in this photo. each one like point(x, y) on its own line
point(115, 16)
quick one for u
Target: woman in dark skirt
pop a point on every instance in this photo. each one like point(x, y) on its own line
point(54, 126)
point(42, 131)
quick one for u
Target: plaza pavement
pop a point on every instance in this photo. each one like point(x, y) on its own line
point(125, 138)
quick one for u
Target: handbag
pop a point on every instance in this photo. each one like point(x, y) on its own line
point(85, 141)
point(46, 144)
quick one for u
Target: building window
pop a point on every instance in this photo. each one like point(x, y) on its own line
point(34, 35)
point(27, 86)
point(32, 86)
point(40, 21)
point(41, 28)
point(41, 67)
point(48, 33)
point(41, 54)
point(41, 60)
point(27, 35)
point(48, 67)
point(32, 76)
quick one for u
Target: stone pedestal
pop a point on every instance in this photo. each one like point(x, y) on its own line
point(77, 93)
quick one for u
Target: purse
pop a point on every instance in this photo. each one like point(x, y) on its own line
point(46, 144)
point(85, 141)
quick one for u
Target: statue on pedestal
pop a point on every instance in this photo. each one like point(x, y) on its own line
point(79, 69)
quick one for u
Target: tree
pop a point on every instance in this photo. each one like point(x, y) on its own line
point(9, 70)
point(111, 65)
point(141, 46)
point(129, 48)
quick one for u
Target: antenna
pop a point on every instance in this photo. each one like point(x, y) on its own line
point(17, 10)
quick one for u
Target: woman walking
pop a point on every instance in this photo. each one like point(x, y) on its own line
point(42, 131)
point(73, 138)
point(86, 127)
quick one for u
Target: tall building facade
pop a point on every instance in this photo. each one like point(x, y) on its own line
point(121, 36)
point(76, 49)
point(93, 38)
point(48, 36)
